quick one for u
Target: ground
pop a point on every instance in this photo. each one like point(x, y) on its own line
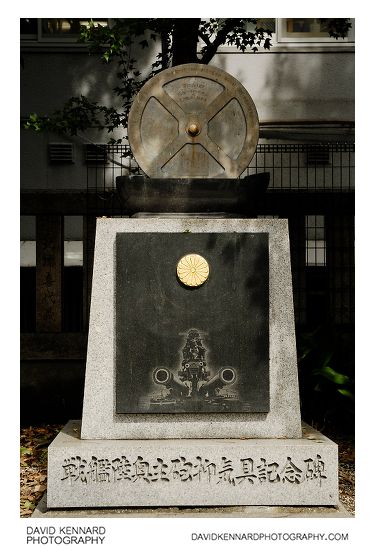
point(34, 443)
point(35, 440)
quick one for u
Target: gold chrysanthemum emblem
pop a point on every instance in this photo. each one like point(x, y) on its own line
point(192, 270)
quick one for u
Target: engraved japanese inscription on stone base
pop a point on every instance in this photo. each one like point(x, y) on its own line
point(256, 471)
point(185, 347)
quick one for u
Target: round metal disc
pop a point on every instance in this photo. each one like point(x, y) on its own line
point(193, 121)
point(193, 270)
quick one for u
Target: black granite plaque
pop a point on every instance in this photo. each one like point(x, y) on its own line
point(192, 349)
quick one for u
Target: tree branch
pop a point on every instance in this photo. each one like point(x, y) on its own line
point(204, 37)
point(228, 26)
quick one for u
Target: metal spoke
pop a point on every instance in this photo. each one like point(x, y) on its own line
point(219, 155)
point(169, 104)
point(167, 153)
point(216, 105)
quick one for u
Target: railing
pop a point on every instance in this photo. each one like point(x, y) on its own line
point(308, 182)
point(323, 166)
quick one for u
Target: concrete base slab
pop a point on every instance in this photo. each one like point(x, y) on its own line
point(41, 511)
point(191, 472)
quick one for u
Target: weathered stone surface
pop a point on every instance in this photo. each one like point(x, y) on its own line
point(193, 121)
point(100, 420)
point(242, 196)
point(191, 472)
point(228, 511)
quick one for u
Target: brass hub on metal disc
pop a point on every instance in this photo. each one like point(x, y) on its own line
point(193, 121)
point(193, 129)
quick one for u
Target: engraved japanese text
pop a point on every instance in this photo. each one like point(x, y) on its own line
point(140, 470)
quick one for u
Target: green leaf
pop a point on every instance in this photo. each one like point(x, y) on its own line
point(334, 376)
point(29, 505)
point(346, 392)
point(26, 451)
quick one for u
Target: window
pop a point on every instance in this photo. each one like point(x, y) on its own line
point(315, 240)
point(267, 24)
point(299, 34)
point(308, 30)
point(55, 30)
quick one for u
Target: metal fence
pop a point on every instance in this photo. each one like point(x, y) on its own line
point(318, 166)
point(327, 166)
point(312, 185)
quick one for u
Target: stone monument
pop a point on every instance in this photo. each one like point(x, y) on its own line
point(191, 393)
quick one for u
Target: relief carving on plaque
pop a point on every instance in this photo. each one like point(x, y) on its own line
point(193, 386)
point(192, 270)
point(192, 323)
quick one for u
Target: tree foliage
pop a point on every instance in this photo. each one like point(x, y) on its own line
point(326, 377)
point(179, 41)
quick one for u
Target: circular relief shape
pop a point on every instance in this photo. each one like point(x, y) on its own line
point(161, 375)
point(192, 270)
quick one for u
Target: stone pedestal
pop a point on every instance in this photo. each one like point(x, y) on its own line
point(123, 457)
point(243, 196)
point(100, 418)
point(191, 472)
